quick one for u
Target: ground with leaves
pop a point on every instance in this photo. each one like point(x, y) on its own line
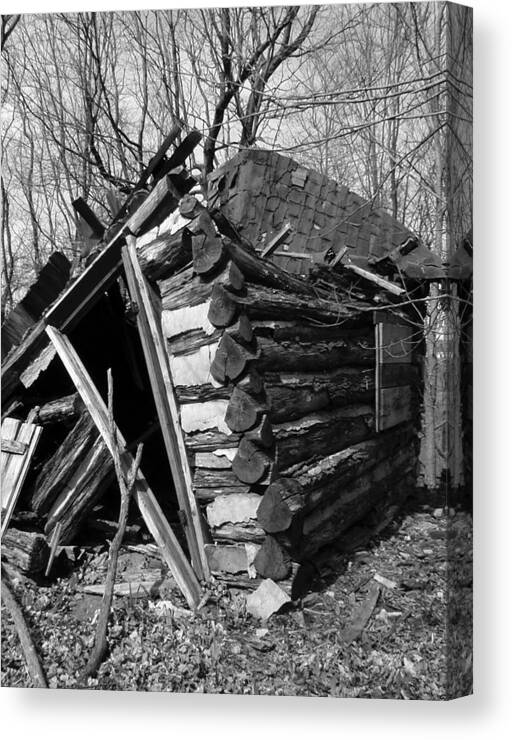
point(416, 644)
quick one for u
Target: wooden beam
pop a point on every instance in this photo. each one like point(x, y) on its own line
point(161, 201)
point(155, 353)
point(377, 279)
point(182, 151)
point(88, 287)
point(146, 501)
point(15, 465)
point(276, 240)
point(89, 217)
point(155, 161)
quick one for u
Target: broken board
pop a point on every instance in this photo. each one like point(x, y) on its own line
point(19, 441)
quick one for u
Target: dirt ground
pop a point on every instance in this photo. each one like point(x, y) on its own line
point(416, 644)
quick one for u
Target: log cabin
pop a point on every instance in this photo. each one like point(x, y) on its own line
point(265, 342)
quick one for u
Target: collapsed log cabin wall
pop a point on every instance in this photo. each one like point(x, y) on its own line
point(275, 380)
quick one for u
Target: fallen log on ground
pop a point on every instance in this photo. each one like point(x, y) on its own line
point(27, 551)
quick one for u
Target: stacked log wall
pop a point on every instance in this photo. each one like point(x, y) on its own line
point(276, 391)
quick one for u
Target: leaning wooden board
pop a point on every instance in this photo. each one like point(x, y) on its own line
point(19, 441)
point(149, 507)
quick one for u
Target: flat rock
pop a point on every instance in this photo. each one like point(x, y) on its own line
point(266, 600)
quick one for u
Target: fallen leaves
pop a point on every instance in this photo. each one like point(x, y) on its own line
point(422, 610)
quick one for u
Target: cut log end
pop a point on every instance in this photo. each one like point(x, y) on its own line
point(222, 310)
point(251, 465)
point(274, 513)
point(207, 253)
point(272, 561)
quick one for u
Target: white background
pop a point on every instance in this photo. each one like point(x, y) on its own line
point(87, 714)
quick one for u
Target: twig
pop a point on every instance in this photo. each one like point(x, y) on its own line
point(125, 488)
point(34, 667)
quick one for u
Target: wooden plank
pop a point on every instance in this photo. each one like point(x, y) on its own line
point(13, 446)
point(88, 287)
point(377, 279)
point(167, 408)
point(155, 161)
point(276, 240)
point(183, 151)
point(146, 501)
point(15, 466)
point(89, 217)
point(395, 407)
point(159, 203)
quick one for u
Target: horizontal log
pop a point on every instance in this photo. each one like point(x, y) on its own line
point(303, 356)
point(242, 532)
point(63, 410)
point(311, 332)
point(186, 289)
point(326, 524)
point(264, 271)
point(27, 551)
point(216, 478)
point(260, 301)
point(287, 498)
point(293, 395)
point(211, 440)
point(320, 434)
point(192, 340)
point(164, 255)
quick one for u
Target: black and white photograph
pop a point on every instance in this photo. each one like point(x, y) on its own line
point(237, 350)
